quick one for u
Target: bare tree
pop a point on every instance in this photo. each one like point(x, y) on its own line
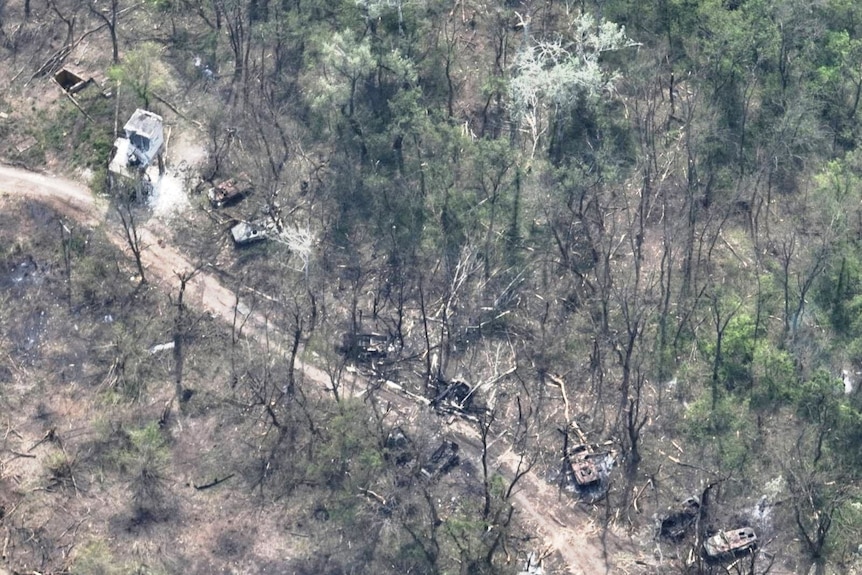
point(67, 19)
point(180, 334)
point(497, 507)
point(66, 246)
point(108, 15)
point(818, 494)
point(132, 235)
point(722, 314)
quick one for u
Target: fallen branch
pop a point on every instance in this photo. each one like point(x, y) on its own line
point(50, 435)
point(684, 464)
point(176, 111)
point(581, 435)
point(19, 454)
point(639, 493)
point(10, 429)
point(492, 381)
point(75, 102)
point(562, 384)
point(394, 386)
point(56, 59)
point(375, 496)
point(212, 483)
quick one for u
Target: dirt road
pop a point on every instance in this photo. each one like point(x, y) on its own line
point(560, 526)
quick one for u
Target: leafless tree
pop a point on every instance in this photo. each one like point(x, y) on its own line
point(108, 15)
point(67, 19)
point(180, 333)
point(66, 247)
point(132, 235)
point(497, 507)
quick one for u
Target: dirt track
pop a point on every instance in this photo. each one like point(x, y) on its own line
point(561, 526)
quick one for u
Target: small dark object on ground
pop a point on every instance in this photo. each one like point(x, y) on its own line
point(320, 513)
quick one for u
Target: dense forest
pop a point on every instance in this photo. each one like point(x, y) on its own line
point(629, 225)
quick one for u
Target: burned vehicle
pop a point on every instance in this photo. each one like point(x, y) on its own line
point(585, 472)
point(444, 459)
point(728, 544)
point(245, 233)
point(366, 346)
point(452, 396)
point(584, 468)
point(675, 524)
point(228, 192)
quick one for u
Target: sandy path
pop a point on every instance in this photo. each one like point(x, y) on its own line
point(562, 526)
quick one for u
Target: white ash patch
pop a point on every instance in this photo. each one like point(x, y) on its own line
point(168, 197)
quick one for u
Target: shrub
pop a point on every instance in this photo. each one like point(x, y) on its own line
point(95, 558)
point(722, 426)
point(774, 377)
point(143, 460)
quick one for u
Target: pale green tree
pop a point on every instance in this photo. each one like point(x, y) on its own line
point(549, 76)
point(143, 71)
point(346, 60)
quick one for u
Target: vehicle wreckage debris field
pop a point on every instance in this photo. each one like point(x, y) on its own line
point(370, 287)
point(216, 526)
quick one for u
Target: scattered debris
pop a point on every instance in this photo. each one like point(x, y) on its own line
point(728, 544)
point(676, 524)
point(24, 272)
point(121, 166)
point(533, 566)
point(25, 144)
point(228, 192)
point(168, 196)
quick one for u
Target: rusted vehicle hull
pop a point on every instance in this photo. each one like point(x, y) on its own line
point(728, 544)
